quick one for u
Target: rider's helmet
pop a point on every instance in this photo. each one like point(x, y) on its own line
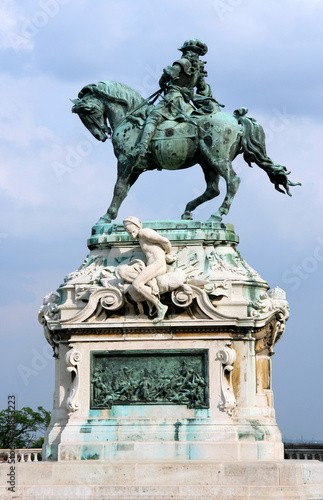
point(196, 45)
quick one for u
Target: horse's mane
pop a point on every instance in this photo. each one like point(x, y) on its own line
point(114, 91)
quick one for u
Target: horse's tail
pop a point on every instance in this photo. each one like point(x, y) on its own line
point(254, 151)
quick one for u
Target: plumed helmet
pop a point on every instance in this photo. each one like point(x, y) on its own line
point(196, 45)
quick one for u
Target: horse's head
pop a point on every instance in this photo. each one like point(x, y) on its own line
point(91, 111)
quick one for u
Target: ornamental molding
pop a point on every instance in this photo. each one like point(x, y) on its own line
point(227, 357)
point(103, 301)
point(268, 336)
point(266, 304)
point(72, 359)
point(203, 283)
point(49, 311)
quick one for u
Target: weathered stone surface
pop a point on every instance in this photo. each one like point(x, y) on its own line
point(167, 431)
point(209, 283)
point(165, 480)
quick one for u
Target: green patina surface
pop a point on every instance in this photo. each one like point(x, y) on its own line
point(105, 235)
point(150, 377)
point(183, 128)
point(256, 432)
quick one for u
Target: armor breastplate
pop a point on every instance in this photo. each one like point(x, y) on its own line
point(188, 76)
point(185, 81)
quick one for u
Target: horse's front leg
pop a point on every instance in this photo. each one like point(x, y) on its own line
point(224, 167)
point(125, 179)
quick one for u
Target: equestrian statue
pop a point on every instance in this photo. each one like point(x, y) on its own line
point(184, 127)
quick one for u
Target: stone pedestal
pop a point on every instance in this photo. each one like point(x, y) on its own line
point(194, 387)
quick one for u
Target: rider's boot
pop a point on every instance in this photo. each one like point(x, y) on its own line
point(143, 145)
point(149, 129)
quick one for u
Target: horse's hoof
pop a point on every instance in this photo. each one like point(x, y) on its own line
point(187, 216)
point(105, 219)
point(215, 218)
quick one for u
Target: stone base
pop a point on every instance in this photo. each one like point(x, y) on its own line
point(294, 480)
point(193, 386)
point(234, 425)
point(145, 439)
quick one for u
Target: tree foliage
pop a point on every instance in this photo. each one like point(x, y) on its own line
point(28, 430)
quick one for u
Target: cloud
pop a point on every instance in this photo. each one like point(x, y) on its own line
point(11, 18)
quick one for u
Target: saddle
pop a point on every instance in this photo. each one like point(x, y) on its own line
point(170, 129)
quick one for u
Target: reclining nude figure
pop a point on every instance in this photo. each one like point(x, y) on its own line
point(157, 250)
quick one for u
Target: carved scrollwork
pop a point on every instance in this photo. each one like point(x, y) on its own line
point(72, 358)
point(227, 356)
point(113, 299)
point(183, 296)
point(108, 298)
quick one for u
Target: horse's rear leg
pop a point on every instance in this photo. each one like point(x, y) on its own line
point(224, 167)
point(212, 190)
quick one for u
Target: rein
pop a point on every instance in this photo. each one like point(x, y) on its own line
point(146, 101)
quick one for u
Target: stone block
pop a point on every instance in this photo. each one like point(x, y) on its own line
point(100, 472)
point(248, 451)
point(254, 473)
point(214, 451)
point(70, 451)
point(312, 471)
point(313, 492)
point(290, 474)
point(134, 492)
point(213, 492)
point(276, 492)
point(53, 492)
point(190, 473)
point(270, 450)
point(33, 472)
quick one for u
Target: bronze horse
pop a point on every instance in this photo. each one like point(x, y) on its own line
point(213, 141)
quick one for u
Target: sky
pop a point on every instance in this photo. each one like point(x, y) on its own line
point(56, 180)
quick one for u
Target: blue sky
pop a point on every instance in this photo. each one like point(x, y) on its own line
point(266, 56)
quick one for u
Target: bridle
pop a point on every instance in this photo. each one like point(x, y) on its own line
point(91, 116)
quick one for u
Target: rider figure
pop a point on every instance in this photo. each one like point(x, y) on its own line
point(178, 82)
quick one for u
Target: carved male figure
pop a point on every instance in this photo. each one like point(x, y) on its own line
point(157, 251)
